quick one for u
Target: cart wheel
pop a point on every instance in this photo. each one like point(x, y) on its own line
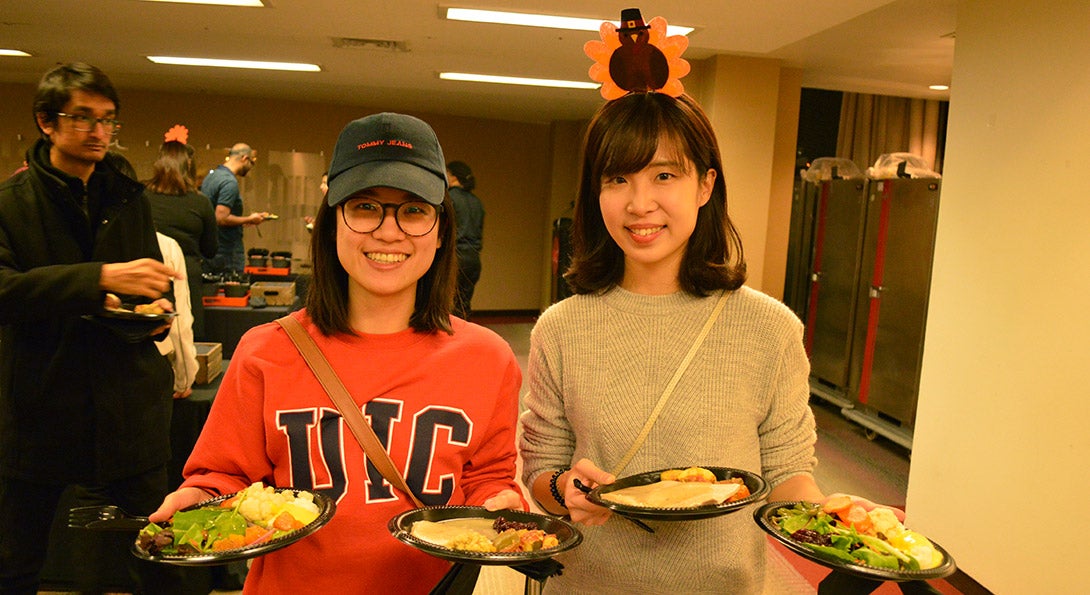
point(869, 434)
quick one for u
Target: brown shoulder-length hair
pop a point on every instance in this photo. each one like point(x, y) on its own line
point(173, 172)
point(327, 297)
point(622, 138)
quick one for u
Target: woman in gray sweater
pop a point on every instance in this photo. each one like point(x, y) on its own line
point(654, 253)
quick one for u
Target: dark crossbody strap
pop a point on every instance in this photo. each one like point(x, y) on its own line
point(351, 414)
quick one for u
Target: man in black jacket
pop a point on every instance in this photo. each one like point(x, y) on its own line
point(81, 401)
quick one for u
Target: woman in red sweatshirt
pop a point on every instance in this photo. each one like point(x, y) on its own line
point(440, 393)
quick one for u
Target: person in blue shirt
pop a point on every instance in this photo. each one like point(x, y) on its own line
point(221, 187)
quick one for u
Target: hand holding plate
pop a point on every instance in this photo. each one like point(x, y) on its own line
point(167, 307)
point(175, 501)
point(582, 510)
point(867, 505)
point(507, 499)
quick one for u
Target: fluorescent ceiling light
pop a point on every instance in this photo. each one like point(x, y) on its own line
point(516, 80)
point(539, 20)
point(292, 66)
point(939, 87)
point(252, 3)
point(19, 53)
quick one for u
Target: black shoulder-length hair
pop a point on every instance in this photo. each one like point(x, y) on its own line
point(622, 138)
point(327, 297)
point(56, 86)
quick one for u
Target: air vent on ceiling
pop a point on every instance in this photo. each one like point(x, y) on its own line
point(388, 45)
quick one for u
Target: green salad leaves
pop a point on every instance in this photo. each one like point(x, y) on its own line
point(809, 526)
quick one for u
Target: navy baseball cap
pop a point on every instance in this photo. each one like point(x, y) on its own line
point(391, 150)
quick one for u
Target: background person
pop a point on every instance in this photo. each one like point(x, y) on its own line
point(654, 252)
point(183, 213)
point(323, 186)
point(79, 403)
point(221, 188)
point(440, 392)
point(178, 345)
point(469, 214)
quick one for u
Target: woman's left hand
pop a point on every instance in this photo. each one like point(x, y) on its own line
point(505, 500)
point(867, 505)
point(802, 487)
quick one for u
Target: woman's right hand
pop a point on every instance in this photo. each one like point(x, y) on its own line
point(582, 510)
point(176, 501)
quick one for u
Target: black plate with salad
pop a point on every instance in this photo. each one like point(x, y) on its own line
point(230, 528)
point(859, 547)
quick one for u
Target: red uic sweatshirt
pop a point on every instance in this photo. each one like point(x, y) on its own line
point(445, 405)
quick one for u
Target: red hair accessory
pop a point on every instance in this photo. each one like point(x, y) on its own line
point(177, 133)
point(637, 58)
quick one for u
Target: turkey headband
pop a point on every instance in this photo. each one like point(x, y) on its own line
point(637, 57)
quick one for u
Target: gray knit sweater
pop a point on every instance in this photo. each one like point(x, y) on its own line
point(598, 365)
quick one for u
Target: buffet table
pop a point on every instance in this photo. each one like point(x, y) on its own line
point(226, 325)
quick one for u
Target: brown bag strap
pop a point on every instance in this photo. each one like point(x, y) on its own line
point(351, 414)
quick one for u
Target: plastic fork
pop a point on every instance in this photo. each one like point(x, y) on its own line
point(105, 518)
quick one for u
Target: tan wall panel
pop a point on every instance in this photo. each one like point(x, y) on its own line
point(1003, 391)
point(782, 186)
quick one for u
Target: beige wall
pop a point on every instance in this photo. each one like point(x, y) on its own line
point(999, 466)
point(512, 165)
point(512, 162)
point(753, 105)
point(782, 182)
point(567, 138)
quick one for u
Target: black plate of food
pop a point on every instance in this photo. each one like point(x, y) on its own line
point(130, 313)
point(128, 324)
point(270, 540)
point(771, 515)
point(428, 529)
point(603, 495)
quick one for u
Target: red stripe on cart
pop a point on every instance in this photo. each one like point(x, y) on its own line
point(876, 294)
point(815, 284)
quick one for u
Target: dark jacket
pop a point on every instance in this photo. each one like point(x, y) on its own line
point(469, 217)
point(78, 402)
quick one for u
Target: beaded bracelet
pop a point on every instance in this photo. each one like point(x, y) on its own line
point(555, 491)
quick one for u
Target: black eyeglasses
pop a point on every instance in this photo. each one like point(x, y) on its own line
point(414, 218)
point(85, 123)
